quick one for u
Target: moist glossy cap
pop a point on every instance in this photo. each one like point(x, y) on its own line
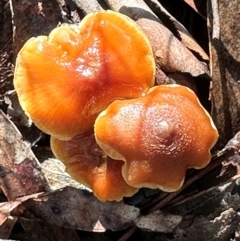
point(89, 165)
point(65, 80)
point(158, 136)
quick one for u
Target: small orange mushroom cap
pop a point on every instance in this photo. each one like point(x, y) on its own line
point(158, 136)
point(65, 80)
point(88, 164)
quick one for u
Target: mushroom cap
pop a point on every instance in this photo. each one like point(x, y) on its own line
point(88, 164)
point(66, 79)
point(158, 136)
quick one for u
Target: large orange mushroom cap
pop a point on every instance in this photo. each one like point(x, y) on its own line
point(88, 164)
point(65, 80)
point(158, 136)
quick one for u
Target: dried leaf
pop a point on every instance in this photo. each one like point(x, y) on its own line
point(9, 212)
point(89, 6)
point(6, 208)
point(184, 79)
point(171, 54)
point(20, 172)
point(79, 209)
point(14, 109)
point(158, 221)
point(220, 228)
point(215, 215)
point(54, 171)
point(184, 36)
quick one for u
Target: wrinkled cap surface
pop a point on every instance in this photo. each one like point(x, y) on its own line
point(158, 136)
point(88, 164)
point(66, 79)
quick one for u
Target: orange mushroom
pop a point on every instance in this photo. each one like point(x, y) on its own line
point(88, 164)
point(158, 136)
point(65, 80)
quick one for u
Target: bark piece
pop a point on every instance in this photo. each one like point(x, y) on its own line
point(6, 49)
point(33, 18)
point(225, 62)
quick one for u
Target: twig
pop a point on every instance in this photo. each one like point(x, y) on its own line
point(216, 21)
